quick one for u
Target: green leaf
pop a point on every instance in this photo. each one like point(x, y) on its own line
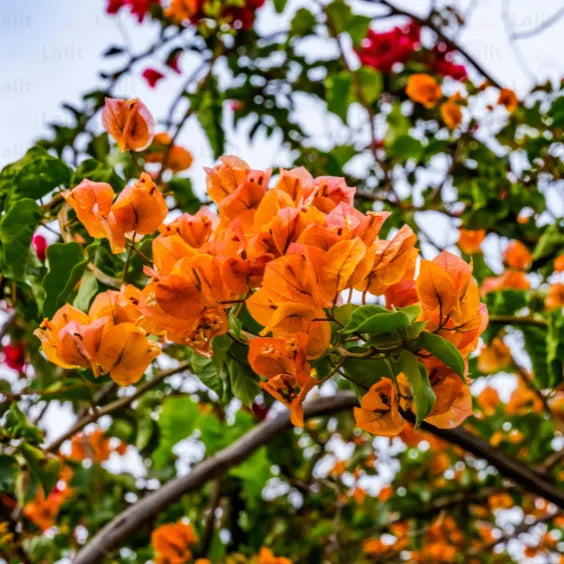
point(339, 14)
point(145, 428)
point(9, 468)
point(39, 174)
point(338, 88)
point(66, 267)
point(279, 5)
point(303, 23)
point(177, 420)
point(43, 467)
point(87, 290)
point(16, 230)
point(555, 348)
point(357, 27)
point(244, 382)
point(406, 147)
point(16, 426)
point(506, 302)
point(423, 396)
point(206, 370)
point(97, 171)
point(536, 346)
point(370, 84)
point(254, 472)
point(374, 319)
point(443, 350)
point(209, 111)
point(184, 194)
point(365, 372)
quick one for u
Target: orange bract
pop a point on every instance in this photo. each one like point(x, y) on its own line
point(129, 122)
point(494, 357)
point(266, 556)
point(451, 114)
point(104, 341)
point(470, 240)
point(508, 98)
point(173, 543)
point(517, 256)
point(171, 156)
point(424, 89)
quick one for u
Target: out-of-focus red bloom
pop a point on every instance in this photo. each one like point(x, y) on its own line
point(244, 16)
point(138, 8)
point(441, 62)
point(152, 76)
point(14, 356)
point(172, 61)
point(39, 246)
point(382, 50)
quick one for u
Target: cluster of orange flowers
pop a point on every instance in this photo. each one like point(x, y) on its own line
point(105, 340)
point(287, 253)
point(449, 298)
point(424, 89)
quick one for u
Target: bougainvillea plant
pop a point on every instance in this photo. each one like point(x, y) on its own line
point(355, 355)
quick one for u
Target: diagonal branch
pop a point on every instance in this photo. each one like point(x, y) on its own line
point(115, 406)
point(116, 531)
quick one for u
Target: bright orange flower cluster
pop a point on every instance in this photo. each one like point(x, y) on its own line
point(138, 210)
point(129, 122)
point(107, 340)
point(449, 298)
point(173, 543)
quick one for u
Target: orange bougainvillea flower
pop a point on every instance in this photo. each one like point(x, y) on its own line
point(450, 300)
point(401, 294)
point(559, 263)
point(424, 89)
point(43, 511)
point(451, 114)
point(129, 122)
point(494, 357)
point(139, 208)
point(510, 279)
point(283, 364)
point(508, 98)
point(95, 446)
point(174, 157)
point(523, 400)
point(102, 341)
point(488, 399)
point(91, 202)
point(555, 296)
point(517, 256)
point(173, 543)
point(266, 556)
point(469, 240)
point(378, 412)
point(454, 402)
point(394, 261)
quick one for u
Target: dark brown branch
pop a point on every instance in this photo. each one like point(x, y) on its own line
point(114, 533)
point(114, 406)
point(117, 531)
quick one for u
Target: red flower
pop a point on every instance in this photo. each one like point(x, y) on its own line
point(442, 64)
point(138, 8)
point(39, 246)
point(152, 76)
point(382, 50)
point(245, 16)
point(173, 60)
point(14, 356)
